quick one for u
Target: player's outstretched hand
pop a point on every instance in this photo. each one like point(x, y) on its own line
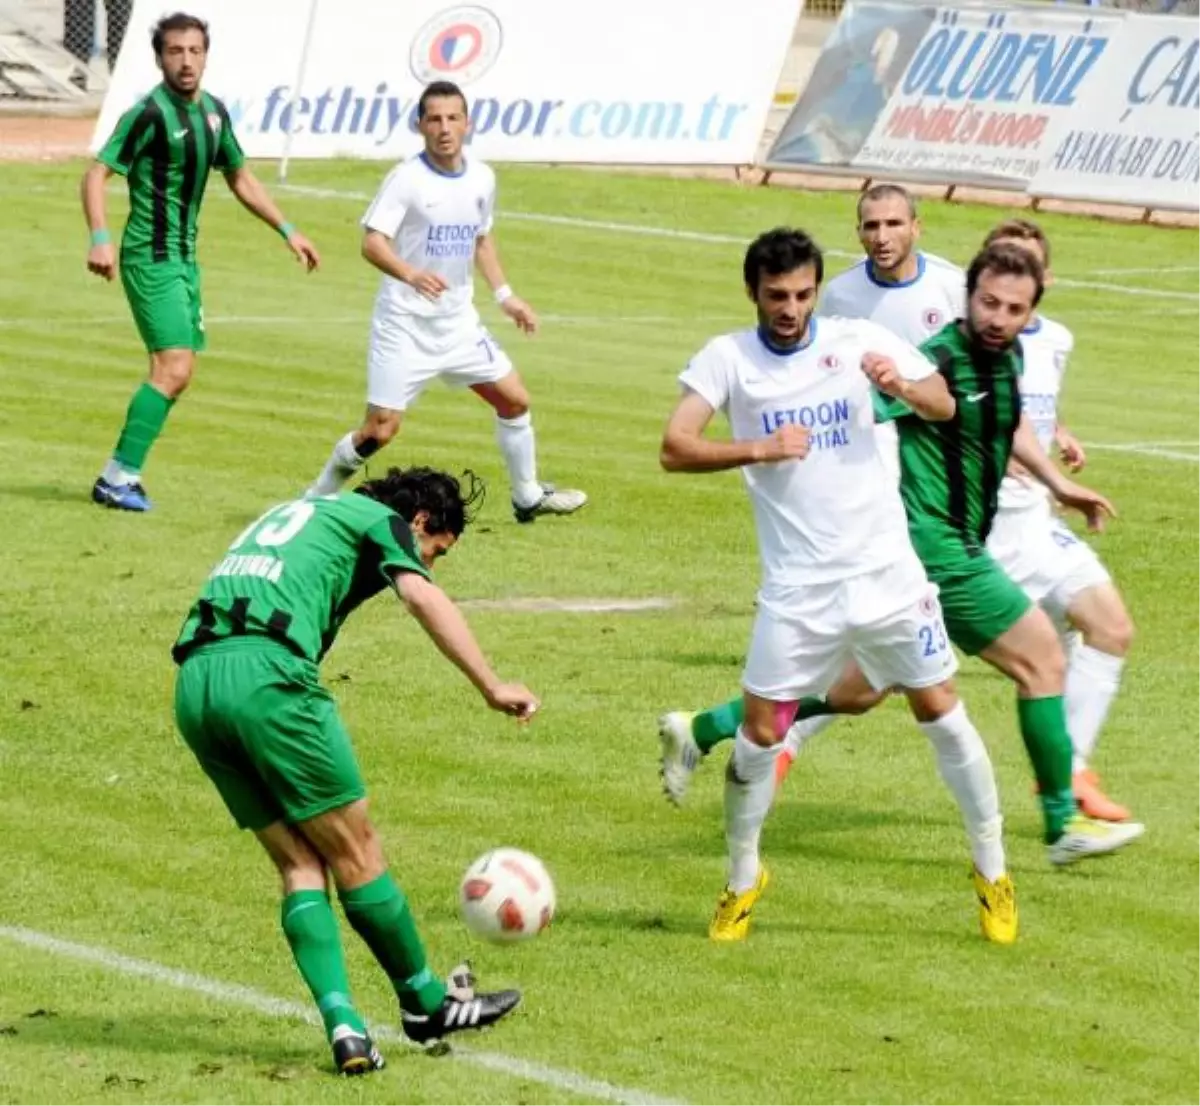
point(883, 373)
point(521, 313)
point(430, 285)
point(304, 250)
point(1092, 505)
point(102, 260)
point(788, 443)
point(1070, 449)
point(514, 699)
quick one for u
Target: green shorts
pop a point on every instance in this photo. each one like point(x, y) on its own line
point(979, 602)
point(266, 732)
point(165, 300)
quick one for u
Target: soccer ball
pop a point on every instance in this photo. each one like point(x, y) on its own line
point(507, 895)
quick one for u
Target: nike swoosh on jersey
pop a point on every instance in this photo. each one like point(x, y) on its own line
point(975, 398)
point(180, 134)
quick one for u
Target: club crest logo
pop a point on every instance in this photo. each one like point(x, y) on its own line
point(831, 363)
point(934, 319)
point(458, 44)
point(214, 122)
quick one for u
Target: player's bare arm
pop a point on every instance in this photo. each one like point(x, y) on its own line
point(1027, 451)
point(102, 253)
point(686, 449)
point(929, 399)
point(444, 623)
point(253, 196)
point(1070, 449)
point(487, 260)
point(377, 249)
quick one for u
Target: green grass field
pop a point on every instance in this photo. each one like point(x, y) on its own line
point(865, 979)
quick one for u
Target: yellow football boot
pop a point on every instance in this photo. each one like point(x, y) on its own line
point(997, 909)
point(731, 922)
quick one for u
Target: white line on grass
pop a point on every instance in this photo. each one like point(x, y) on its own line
point(1152, 269)
point(236, 995)
point(1145, 450)
point(348, 320)
point(704, 236)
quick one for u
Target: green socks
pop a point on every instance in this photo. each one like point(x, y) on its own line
point(144, 421)
point(312, 931)
point(711, 727)
point(1044, 731)
point(379, 913)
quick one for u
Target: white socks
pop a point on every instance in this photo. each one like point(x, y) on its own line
point(118, 477)
point(343, 462)
point(517, 445)
point(1092, 681)
point(963, 763)
point(749, 788)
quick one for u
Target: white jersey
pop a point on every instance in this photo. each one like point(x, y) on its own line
point(1045, 347)
point(433, 219)
point(835, 513)
point(913, 310)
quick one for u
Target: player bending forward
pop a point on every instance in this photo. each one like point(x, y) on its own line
point(430, 223)
point(249, 704)
point(840, 577)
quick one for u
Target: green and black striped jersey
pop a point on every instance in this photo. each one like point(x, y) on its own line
point(298, 572)
point(165, 146)
point(950, 472)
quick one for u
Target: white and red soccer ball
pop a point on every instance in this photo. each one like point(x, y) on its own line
point(507, 895)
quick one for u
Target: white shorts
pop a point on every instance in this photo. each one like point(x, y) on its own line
point(1048, 562)
point(407, 352)
point(888, 621)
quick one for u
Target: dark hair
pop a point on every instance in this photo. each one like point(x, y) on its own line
point(180, 21)
point(883, 192)
point(1007, 260)
point(440, 495)
point(1020, 230)
point(782, 250)
point(440, 88)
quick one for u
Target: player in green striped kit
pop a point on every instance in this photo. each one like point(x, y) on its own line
point(166, 145)
point(950, 479)
point(251, 708)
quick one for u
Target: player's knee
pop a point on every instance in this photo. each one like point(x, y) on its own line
point(356, 856)
point(512, 406)
point(856, 700)
point(381, 427)
point(1043, 672)
point(1114, 634)
point(929, 704)
point(171, 372)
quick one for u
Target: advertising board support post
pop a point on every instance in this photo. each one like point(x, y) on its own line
point(301, 71)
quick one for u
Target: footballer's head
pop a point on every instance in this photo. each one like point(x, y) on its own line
point(180, 44)
point(888, 228)
point(783, 270)
point(1025, 234)
point(442, 120)
point(1004, 285)
point(436, 505)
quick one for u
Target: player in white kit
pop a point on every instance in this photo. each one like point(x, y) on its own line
point(840, 579)
point(913, 294)
point(1052, 566)
point(428, 227)
point(905, 290)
